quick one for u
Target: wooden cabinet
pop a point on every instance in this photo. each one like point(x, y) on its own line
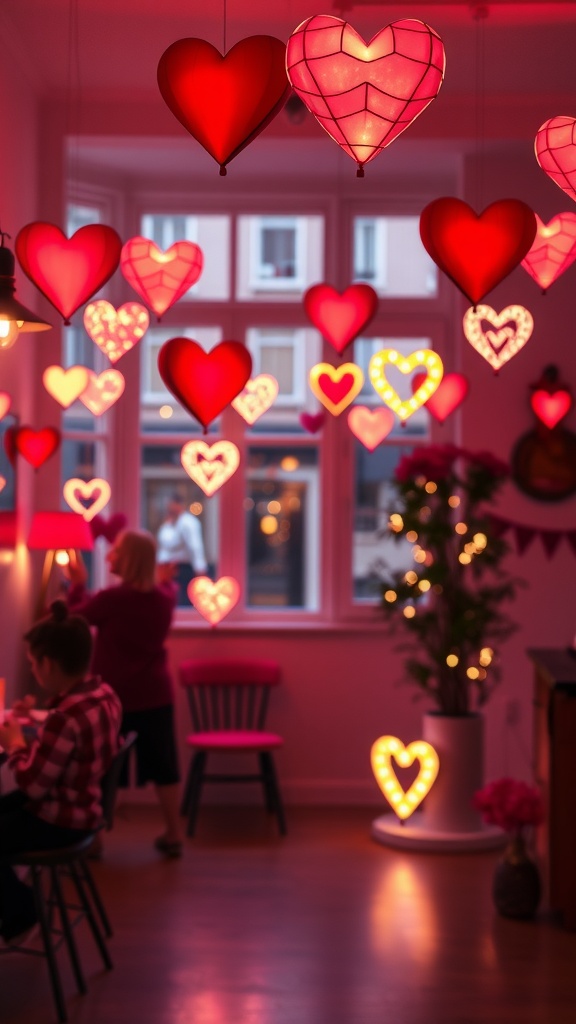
point(555, 773)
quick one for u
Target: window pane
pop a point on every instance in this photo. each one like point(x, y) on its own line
point(278, 256)
point(78, 216)
point(211, 232)
point(159, 410)
point(389, 255)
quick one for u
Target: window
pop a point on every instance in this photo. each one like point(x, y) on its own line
point(389, 255)
point(278, 257)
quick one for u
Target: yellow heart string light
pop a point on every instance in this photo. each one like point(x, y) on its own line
point(424, 357)
point(210, 466)
point(387, 747)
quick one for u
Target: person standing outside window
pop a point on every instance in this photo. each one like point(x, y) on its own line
point(180, 544)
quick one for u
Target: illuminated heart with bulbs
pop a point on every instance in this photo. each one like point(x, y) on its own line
point(553, 250)
point(103, 390)
point(96, 491)
point(477, 251)
point(555, 148)
point(210, 466)
point(505, 334)
point(387, 747)
point(66, 385)
point(390, 357)
point(214, 600)
point(336, 386)
point(160, 278)
point(370, 426)
point(204, 382)
point(551, 406)
point(449, 394)
point(340, 317)
point(68, 271)
point(256, 397)
point(36, 446)
point(5, 404)
point(115, 331)
point(224, 101)
point(364, 94)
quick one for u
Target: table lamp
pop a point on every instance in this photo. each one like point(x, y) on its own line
point(57, 533)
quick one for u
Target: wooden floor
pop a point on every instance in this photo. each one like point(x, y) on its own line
point(322, 927)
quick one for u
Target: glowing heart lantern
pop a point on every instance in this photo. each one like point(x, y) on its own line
point(449, 394)
point(340, 316)
point(97, 492)
point(370, 426)
point(65, 386)
point(504, 335)
point(336, 386)
point(160, 278)
point(204, 382)
point(256, 397)
point(364, 94)
point(103, 390)
point(477, 251)
point(387, 747)
point(115, 331)
point(224, 101)
point(551, 406)
point(36, 446)
point(68, 271)
point(210, 466)
point(390, 357)
point(553, 250)
point(214, 600)
point(555, 148)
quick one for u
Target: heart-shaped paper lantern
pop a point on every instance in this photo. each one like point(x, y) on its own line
point(387, 747)
point(256, 397)
point(551, 406)
point(214, 600)
point(553, 250)
point(503, 335)
point(108, 528)
point(477, 251)
point(390, 357)
point(370, 426)
point(68, 271)
point(36, 446)
point(336, 386)
point(449, 394)
point(204, 382)
point(5, 404)
point(210, 466)
point(66, 385)
point(555, 148)
point(312, 421)
point(103, 390)
point(364, 94)
point(160, 278)
point(115, 331)
point(340, 317)
point(224, 101)
point(97, 492)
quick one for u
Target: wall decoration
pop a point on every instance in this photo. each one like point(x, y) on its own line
point(553, 250)
point(204, 382)
point(504, 335)
point(555, 148)
point(336, 386)
point(108, 528)
point(477, 251)
point(524, 535)
point(65, 386)
point(115, 331)
point(449, 395)
point(224, 101)
point(312, 421)
point(97, 492)
point(256, 397)
point(103, 390)
point(214, 600)
point(365, 94)
point(36, 446)
point(160, 278)
point(340, 316)
point(387, 747)
point(370, 426)
point(5, 404)
point(390, 357)
point(543, 460)
point(210, 466)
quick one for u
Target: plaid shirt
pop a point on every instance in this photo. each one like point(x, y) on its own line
point(61, 770)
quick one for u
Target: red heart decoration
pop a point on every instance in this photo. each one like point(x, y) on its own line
point(312, 422)
point(108, 528)
point(68, 271)
point(553, 250)
point(204, 382)
point(555, 148)
point(340, 316)
point(160, 278)
point(477, 251)
point(551, 406)
point(36, 446)
point(449, 394)
point(224, 101)
point(364, 94)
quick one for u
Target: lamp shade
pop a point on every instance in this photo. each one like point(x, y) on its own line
point(53, 530)
point(10, 307)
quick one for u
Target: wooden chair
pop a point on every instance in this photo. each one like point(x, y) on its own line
point(228, 702)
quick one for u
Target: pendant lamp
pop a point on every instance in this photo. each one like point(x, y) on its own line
point(555, 148)
point(14, 317)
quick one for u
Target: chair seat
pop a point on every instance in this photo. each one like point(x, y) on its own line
point(235, 739)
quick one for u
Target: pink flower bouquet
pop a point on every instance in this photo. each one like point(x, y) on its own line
point(510, 804)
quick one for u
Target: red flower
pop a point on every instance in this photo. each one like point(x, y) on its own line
point(489, 462)
point(510, 804)
point(434, 462)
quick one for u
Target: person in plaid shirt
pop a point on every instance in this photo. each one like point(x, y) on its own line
point(58, 797)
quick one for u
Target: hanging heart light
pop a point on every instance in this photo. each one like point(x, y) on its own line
point(97, 492)
point(370, 426)
point(103, 390)
point(5, 404)
point(551, 407)
point(553, 250)
point(160, 278)
point(477, 251)
point(555, 148)
point(210, 466)
point(390, 357)
point(256, 397)
point(505, 334)
point(450, 393)
point(340, 316)
point(214, 600)
point(387, 747)
point(204, 382)
point(224, 101)
point(364, 94)
point(336, 386)
point(68, 271)
point(66, 385)
point(115, 331)
point(36, 446)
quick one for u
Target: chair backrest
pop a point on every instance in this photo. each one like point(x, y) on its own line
point(228, 693)
point(111, 778)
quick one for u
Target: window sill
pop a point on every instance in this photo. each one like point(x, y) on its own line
point(360, 625)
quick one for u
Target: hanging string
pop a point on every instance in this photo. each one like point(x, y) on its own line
point(224, 31)
point(480, 15)
point(73, 94)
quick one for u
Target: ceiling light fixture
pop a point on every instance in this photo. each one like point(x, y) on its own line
point(14, 317)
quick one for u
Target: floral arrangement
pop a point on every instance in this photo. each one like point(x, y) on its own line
point(510, 804)
point(451, 601)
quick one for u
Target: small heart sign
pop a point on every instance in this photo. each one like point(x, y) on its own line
point(210, 466)
point(551, 406)
point(65, 386)
point(214, 600)
point(336, 386)
point(103, 391)
point(256, 397)
point(97, 492)
point(387, 747)
point(115, 331)
point(370, 426)
point(503, 336)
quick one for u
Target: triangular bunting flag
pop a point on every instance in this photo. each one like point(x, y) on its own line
point(500, 526)
point(524, 536)
point(571, 538)
point(550, 540)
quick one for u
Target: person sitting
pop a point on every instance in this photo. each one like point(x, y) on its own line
point(57, 799)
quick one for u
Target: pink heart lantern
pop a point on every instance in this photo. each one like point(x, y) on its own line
point(370, 426)
point(5, 404)
point(551, 406)
point(103, 391)
point(160, 278)
point(449, 394)
point(555, 148)
point(340, 317)
point(553, 249)
point(115, 331)
point(312, 421)
point(364, 94)
point(108, 528)
point(204, 382)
